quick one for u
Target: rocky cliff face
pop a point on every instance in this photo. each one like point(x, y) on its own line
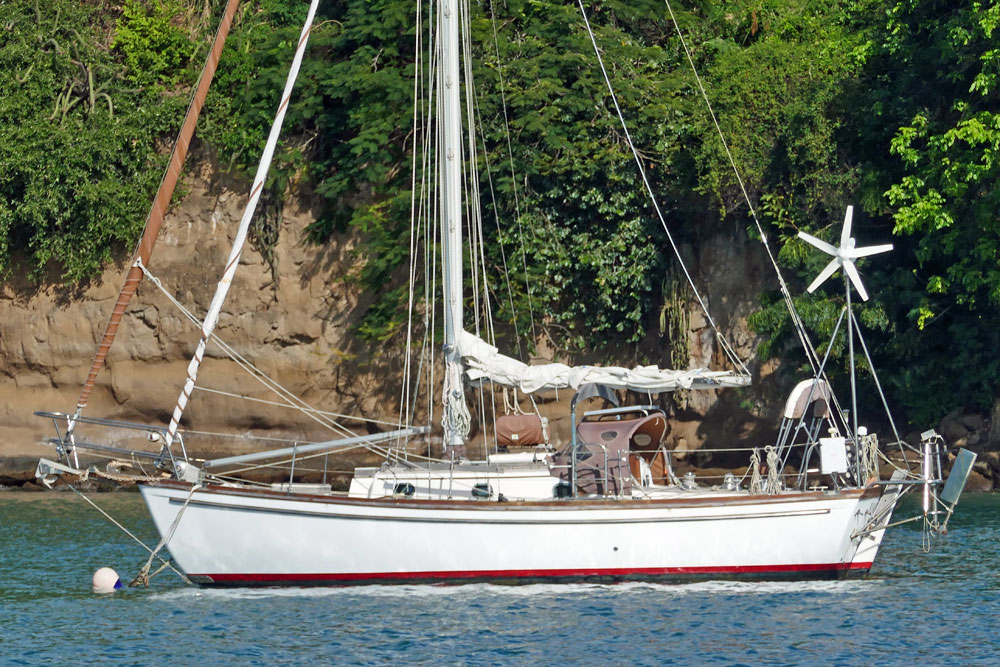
point(297, 331)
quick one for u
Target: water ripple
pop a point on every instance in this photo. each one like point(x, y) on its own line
point(935, 608)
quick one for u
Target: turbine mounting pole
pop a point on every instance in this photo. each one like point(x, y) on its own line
point(843, 258)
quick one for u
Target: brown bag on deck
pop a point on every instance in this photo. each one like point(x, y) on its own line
point(519, 431)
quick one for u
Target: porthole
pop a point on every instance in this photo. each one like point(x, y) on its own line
point(642, 439)
point(482, 491)
point(405, 489)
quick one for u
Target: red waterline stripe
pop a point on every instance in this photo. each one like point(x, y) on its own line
point(505, 574)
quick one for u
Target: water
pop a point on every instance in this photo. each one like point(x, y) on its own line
point(915, 607)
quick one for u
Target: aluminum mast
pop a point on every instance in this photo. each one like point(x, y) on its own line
point(456, 417)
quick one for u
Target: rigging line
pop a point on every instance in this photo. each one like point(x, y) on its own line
point(496, 212)
point(130, 534)
point(290, 398)
point(513, 178)
point(503, 250)
point(476, 219)
point(244, 363)
point(476, 231)
point(800, 329)
point(735, 359)
point(434, 142)
point(325, 413)
point(414, 228)
point(878, 384)
point(424, 216)
point(470, 184)
point(142, 579)
point(496, 217)
point(293, 401)
point(434, 204)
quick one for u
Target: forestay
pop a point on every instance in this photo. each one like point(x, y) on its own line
point(483, 362)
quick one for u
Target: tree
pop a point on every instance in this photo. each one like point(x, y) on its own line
point(933, 83)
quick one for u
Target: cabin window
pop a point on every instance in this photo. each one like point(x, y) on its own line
point(405, 489)
point(482, 491)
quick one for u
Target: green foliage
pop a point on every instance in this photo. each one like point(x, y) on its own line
point(928, 102)
point(778, 99)
point(948, 193)
point(345, 130)
point(594, 249)
point(77, 157)
point(152, 46)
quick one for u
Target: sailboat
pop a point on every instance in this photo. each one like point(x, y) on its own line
point(606, 506)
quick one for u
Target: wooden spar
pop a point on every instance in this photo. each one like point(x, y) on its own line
point(159, 207)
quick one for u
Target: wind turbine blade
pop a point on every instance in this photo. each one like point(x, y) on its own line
point(852, 272)
point(845, 234)
point(824, 274)
point(868, 250)
point(822, 245)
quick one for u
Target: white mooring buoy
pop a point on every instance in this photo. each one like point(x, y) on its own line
point(106, 581)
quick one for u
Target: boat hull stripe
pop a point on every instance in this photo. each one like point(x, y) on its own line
point(437, 519)
point(264, 579)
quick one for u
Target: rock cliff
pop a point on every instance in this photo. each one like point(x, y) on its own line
point(297, 331)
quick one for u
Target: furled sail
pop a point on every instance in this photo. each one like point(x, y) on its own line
point(484, 363)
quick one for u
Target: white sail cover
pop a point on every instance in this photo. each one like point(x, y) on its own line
point(483, 362)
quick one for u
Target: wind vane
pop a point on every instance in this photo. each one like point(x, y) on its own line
point(843, 256)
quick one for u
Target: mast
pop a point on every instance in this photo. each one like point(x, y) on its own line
point(157, 211)
point(456, 417)
point(212, 316)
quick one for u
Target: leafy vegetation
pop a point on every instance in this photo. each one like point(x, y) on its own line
point(77, 156)
point(891, 105)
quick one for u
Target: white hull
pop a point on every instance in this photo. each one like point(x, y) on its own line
point(232, 536)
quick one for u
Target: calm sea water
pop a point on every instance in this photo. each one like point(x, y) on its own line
point(937, 608)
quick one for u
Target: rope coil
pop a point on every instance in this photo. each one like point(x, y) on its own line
point(756, 483)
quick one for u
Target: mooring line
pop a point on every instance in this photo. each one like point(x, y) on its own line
point(125, 530)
